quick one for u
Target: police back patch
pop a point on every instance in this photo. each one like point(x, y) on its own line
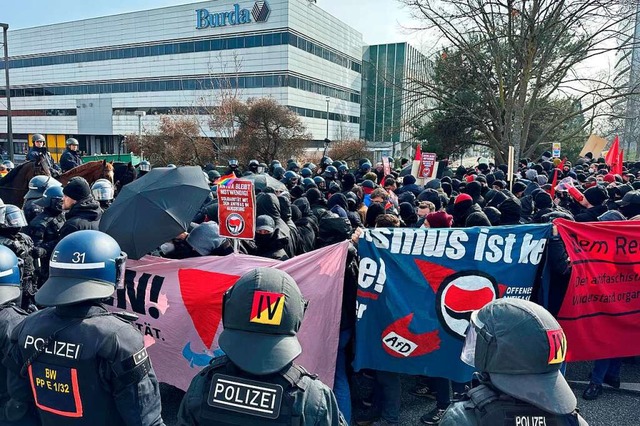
point(245, 396)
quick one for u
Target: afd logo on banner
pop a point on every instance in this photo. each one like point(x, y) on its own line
point(259, 12)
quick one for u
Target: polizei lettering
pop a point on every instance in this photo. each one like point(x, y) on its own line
point(245, 396)
point(55, 347)
point(530, 421)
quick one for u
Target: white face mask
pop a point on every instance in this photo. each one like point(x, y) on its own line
point(468, 354)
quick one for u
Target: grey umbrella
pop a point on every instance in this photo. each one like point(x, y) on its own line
point(155, 208)
point(262, 181)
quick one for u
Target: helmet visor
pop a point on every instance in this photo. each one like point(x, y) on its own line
point(468, 354)
point(121, 263)
point(144, 167)
point(104, 193)
point(15, 219)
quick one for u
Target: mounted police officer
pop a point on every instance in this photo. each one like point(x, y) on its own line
point(10, 316)
point(517, 348)
point(37, 186)
point(22, 245)
point(39, 148)
point(262, 386)
point(76, 361)
point(71, 157)
point(44, 229)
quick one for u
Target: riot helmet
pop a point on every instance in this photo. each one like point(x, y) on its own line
point(85, 265)
point(9, 276)
point(14, 217)
point(3, 210)
point(144, 166)
point(310, 166)
point(343, 169)
point(320, 182)
point(233, 163)
point(171, 166)
point(293, 166)
point(213, 175)
point(522, 347)
point(330, 173)
point(308, 183)
point(306, 172)
point(8, 164)
point(52, 198)
point(253, 166)
point(102, 189)
point(37, 137)
point(262, 168)
point(278, 172)
point(326, 161)
point(275, 341)
point(38, 184)
point(72, 141)
point(290, 178)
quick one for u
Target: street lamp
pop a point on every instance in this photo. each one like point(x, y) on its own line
point(5, 28)
point(327, 99)
point(140, 114)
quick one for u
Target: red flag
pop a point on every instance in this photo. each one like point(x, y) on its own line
point(613, 155)
point(554, 182)
point(418, 153)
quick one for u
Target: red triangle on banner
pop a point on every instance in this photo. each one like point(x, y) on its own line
point(202, 293)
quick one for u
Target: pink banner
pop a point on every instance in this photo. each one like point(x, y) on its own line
point(179, 305)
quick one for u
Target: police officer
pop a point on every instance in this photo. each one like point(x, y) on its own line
point(37, 186)
point(10, 316)
point(103, 193)
point(76, 361)
point(40, 148)
point(517, 347)
point(233, 168)
point(22, 246)
point(262, 311)
point(253, 166)
point(71, 157)
point(44, 229)
point(144, 167)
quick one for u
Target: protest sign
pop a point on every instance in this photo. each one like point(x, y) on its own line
point(595, 145)
point(601, 308)
point(179, 305)
point(236, 209)
point(386, 165)
point(555, 152)
point(427, 165)
point(418, 287)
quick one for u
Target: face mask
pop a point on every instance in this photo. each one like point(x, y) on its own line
point(263, 239)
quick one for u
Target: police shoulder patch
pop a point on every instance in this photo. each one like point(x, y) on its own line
point(249, 397)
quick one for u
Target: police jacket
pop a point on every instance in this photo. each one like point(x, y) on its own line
point(85, 214)
point(34, 153)
point(222, 394)
point(31, 209)
point(80, 364)
point(44, 230)
point(485, 406)
point(69, 160)
point(22, 245)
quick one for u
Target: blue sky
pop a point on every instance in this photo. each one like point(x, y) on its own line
point(382, 21)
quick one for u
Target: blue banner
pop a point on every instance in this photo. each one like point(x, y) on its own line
point(418, 287)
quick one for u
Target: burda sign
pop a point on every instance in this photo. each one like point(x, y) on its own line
point(236, 16)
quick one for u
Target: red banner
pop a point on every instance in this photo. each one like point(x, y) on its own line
point(236, 209)
point(601, 309)
point(427, 165)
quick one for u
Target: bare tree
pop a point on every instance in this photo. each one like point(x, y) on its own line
point(522, 54)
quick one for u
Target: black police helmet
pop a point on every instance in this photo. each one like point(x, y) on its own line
point(52, 198)
point(85, 265)
point(9, 276)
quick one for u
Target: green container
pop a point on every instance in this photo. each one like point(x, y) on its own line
point(125, 158)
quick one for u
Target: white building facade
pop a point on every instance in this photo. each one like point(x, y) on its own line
point(91, 79)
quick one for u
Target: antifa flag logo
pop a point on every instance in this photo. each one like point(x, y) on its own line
point(459, 295)
point(235, 224)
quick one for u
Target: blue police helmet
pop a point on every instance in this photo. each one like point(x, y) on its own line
point(52, 198)
point(38, 184)
point(85, 265)
point(9, 276)
point(306, 172)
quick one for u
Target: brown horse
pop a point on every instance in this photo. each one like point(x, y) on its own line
point(91, 171)
point(14, 186)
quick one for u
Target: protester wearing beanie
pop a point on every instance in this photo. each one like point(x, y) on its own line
point(543, 204)
point(477, 219)
point(374, 210)
point(594, 198)
point(510, 212)
point(463, 206)
point(83, 211)
point(518, 189)
point(439, 219)
point(408, 215)
point(493, 214)
point(409, 184)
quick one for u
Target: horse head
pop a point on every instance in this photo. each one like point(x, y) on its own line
point(41, 166)
point(107, 171)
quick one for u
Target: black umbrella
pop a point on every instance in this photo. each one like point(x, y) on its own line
point(155, 208)
point(262, 181)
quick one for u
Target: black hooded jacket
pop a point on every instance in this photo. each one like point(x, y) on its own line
point(83, 215)
point(268, 204)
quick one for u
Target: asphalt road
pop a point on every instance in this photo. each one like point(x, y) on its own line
point(614, 407)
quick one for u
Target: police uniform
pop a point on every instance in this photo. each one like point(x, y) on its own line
point(37, 187)
point(257, 382)
point(10, 316)
point(78, 363)
point(518, 348)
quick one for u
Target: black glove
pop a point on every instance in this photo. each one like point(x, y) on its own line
point(38, 253)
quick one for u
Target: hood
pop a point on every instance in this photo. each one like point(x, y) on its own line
point(374, 210)
point(304, 206)
point(338, 200)
point(285, 207)
point(267, 203)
